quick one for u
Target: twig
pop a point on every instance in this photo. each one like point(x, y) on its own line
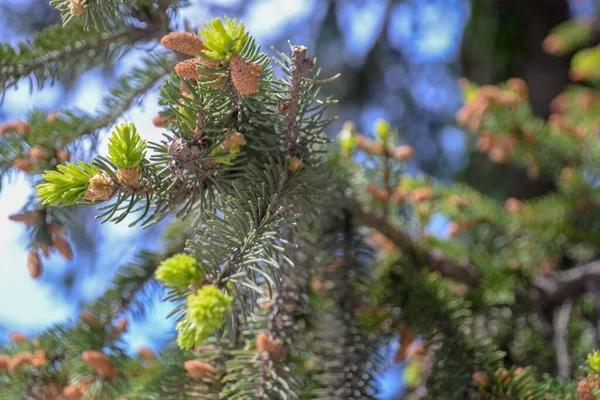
point(433, 259)
point(561, 339)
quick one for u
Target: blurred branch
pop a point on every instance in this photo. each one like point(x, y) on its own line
point(561, 339)
point(433, 259)
point(564, 285)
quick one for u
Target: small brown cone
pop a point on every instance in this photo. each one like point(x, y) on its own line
point(28, 218)
point(23, 164)
point(20, 127)
point(17, 337)
point(183, 42)
point(403, 153)
point(481, 379)
point(159, 121)
point(89, 318)
point(146, 353)
point(76, 7)
point(271, 346)
point(244, 77)
point(188, 69)
point(519, 86)
point(100, 188)
point(34, 264)
point(4, 361)
point(100, 362)
point(420, 195)
point(513, 205)
point(294, 164)
point(198, 369)
point(235, 139)
point(39, 358)
point(64, 248)
point(585, 391)
point(75, 391)
point(38, 153)
point(63, 155)
point(121, 325)
point(19, 360)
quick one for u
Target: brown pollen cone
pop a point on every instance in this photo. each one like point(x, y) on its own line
point(188, 69)
point(34, 264)
point(244, 77)
point(198, 369)
point(28, 218)
point(23, 164)
point(19, 360)
point(63, 247)
point(585, 391)
point(17, 337)
point(183, 42)
point(4, 361)
point(271, 346)
point(38, 153)
point(146, 353)
point(100, 362)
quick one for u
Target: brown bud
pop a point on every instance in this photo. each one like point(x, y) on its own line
point(39, 358)
point(28, 218)
point(513, 205)
point(244, 77)
point(20, 127)
point(481, 379)
point(454, 229)
point(188, 69)
point(553, 44)
point(503, 376)
point(51, 117)
point(484, 142)
point(89, 318)
point(271, 346)
point(63, 155)
point(34, 264)
point(159, 121)
point(4, 362)
point(585, 391)
point(17, 337)
point(121, 324)
point(198, 369)
point(63, 247)
point(294, 164)
point(146, 353)
point(77, 7)
point(519, 86)
point(100, 362)
point(183, 42)
point(363, 143)
point(398, 195)
point(233, 140)
point(420, 195)
point(19, 360)
point(23, 164)
point(38, 153)
point(403, 153)
point(100, 188)
point(73, 392)
point(378, 194)
point(129, 176)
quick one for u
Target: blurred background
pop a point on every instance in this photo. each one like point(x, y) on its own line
point(399, 60)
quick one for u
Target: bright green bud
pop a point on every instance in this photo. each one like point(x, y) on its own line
point(207, 309)
point(179, 271)
point(382, 128)
point(347, 138)
point(67, 185)
point(585, 64)
point(593, 360)
point(223, 41)
point(126, 149)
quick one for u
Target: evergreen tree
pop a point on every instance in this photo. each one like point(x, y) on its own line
point(290, 261)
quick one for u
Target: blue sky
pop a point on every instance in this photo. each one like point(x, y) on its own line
point(427, 32)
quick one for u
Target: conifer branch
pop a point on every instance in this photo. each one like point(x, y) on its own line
point(568, 284)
